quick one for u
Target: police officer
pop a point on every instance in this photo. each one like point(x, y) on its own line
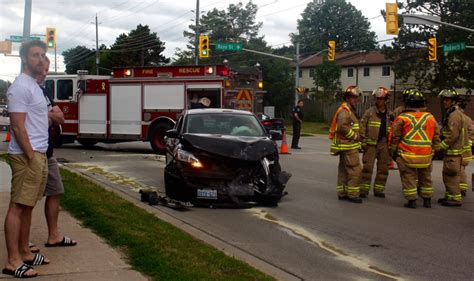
point(374, 134)
point(455, 137)
point(414, 135)
point(346, 143)
point(297, 115)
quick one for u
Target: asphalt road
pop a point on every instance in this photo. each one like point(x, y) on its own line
point(311, 234)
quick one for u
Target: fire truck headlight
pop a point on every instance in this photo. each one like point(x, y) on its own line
point(128, 72)
point(185, 156)
point(260, 84)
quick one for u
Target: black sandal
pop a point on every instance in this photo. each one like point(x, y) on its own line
point(37, 260)
point(19, 272)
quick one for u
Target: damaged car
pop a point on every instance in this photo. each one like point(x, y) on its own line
point(222, 156)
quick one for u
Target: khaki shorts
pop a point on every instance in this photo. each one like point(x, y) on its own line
point(28, 178)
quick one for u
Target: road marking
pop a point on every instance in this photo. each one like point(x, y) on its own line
point(311, 238)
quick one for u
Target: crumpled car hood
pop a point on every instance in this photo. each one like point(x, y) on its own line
point(242, 148)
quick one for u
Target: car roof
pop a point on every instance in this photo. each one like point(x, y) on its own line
point(217, 110)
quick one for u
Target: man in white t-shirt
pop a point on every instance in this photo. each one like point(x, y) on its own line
point(28, 111)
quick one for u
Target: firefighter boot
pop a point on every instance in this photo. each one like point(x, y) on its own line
point(411, 204)
point(427, 202)
point(355, 200)
point(463, 193)
point(379, 194)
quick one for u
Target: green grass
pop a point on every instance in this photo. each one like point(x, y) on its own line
point(308, 128)
point(153, 247)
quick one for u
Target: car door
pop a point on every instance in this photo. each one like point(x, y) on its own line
point(171, 143)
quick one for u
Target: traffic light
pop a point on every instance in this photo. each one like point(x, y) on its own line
point(432, 49)
point(51, 37)
point(391, 18)
point(331, 50)
point(203, 46)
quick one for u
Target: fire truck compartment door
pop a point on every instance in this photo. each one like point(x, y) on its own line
point(169, 96)
point(93, 114)
point(125, 109)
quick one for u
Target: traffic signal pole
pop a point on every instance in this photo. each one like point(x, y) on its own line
point(196, 51)
point(26, 24)
point(297, 72)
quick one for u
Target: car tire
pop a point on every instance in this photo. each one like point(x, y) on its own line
point(87, 143)
point(157, 137)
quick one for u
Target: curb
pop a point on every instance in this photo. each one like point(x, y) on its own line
point(166, 215)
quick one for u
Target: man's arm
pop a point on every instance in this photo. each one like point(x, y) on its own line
point(17, 124)
point(295, 114)
point(344, 127)
point(55, 116)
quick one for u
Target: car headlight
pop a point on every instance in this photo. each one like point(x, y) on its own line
point(185, 156)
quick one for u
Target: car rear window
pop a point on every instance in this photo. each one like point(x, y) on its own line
point(224, 124)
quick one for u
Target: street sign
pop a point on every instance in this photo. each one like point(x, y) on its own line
point(235, 47)
point(19, 38)
point(454, 47)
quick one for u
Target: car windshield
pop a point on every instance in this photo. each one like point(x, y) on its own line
point(224, 124)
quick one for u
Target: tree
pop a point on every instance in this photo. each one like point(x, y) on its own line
point(333, 20)
point(140, 47)
point(236, 24)
point(79, 58)
point(409, 50)
point(327, 77)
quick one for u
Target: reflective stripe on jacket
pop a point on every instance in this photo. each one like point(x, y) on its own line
point(414, 135)
point(455, 132)
point(344, 130)
point(370, 126)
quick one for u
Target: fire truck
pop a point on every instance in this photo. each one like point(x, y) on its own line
point(142, 103)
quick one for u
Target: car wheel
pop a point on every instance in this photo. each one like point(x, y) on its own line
point(157, 137)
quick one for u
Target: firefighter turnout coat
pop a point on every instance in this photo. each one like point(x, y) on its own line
point(455, 143)
point(344, 136)
point(414, 135)
point(374, 149)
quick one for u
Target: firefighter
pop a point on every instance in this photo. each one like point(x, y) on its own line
point(374, 135)
point(467, 151)
point(455, 137)
point(414, 134)
point(401, 108)
point(346, 143)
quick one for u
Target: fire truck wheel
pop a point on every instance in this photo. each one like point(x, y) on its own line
point(87, 144)
point(157, 137)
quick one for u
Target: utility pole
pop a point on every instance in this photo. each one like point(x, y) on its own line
point(97, 56)
point(196, 43)
point(26, 24)
point(55, 58)
point(297, 71)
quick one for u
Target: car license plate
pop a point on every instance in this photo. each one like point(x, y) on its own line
point(207, 194)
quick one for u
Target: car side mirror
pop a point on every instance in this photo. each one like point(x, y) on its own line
point(172, 134)
point(275, 134)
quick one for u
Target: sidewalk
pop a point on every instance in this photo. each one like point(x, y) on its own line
point(91, 259)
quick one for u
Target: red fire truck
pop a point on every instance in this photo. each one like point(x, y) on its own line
point(142, 103)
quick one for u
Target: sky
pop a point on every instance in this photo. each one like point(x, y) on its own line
point(74, 21)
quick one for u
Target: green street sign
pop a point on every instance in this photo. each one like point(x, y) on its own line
point(454, 47)
point(234, 47)
point(19, 38)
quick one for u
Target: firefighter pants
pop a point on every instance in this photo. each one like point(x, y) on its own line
point(371, 153)
point(463, 185)
point(413, 177)
point(349, 174)
point(451, 178)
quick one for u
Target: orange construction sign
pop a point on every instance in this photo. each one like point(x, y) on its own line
point(244, 99)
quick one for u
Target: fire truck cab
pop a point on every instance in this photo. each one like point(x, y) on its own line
point(142, 103)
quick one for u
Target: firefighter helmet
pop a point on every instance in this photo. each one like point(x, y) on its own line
point(448, 93)
point(381, 92)
point(352, 91)
point(415, 99)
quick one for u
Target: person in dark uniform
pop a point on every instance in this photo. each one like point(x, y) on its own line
point(297, 115)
